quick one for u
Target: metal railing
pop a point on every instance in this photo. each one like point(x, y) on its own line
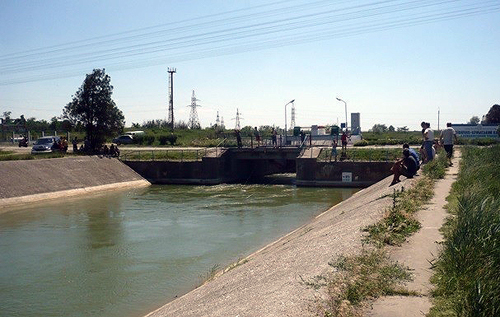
point(164, 155)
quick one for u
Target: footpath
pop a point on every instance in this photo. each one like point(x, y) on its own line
point(418, 254)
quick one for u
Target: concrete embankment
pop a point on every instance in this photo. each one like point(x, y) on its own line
point(34, 180)
point(276, 280)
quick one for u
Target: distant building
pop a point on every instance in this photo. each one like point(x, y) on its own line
point(355, 123)
point(473, 131)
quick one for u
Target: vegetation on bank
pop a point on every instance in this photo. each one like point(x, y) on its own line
point(372, 274)
point(467, 275)
point(12, 156)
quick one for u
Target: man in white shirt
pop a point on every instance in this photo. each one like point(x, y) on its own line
point(446, 138)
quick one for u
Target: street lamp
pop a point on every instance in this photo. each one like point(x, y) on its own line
point(285, 117)
point(345, 112)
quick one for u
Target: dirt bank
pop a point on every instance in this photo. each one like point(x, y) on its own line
point(273, 281)
point(33, 180)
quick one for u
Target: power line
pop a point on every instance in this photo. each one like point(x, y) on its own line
point(241, 33)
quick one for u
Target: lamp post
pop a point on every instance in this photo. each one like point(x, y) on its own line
point(285, 117)
point(345, 104)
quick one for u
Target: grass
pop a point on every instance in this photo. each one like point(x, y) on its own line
point(359, 278)
point(372, 274)
point(355, 154)
point(12, 156)
point(467, 272)
point(163, 155)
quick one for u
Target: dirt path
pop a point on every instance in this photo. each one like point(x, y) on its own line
point(421, 249)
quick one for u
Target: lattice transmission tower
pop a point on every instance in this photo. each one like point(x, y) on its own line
point(292, 123)
point(237, 125)
point(217, 121)
point(194, 121)
point(170, 122)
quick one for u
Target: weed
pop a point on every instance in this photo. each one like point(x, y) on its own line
point(369, 275)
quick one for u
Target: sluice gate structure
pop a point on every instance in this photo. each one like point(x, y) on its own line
point(243, 165)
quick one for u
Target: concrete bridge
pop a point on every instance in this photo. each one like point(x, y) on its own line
point(233, 165)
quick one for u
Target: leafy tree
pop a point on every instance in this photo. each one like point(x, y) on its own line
point(6, 117)
point(474, 120)
point(403, 129)
point(93, 108)
point(493, 116)
point(391, 128)
point(379, 128)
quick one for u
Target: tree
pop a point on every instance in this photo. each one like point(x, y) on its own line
point(379, 128)
point(93, 108)
point(391, 128)
point(403, 129)
point(6, 117)
point(474, 120)
point(493, 116)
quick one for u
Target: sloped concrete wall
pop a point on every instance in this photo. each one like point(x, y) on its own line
point(31, 180)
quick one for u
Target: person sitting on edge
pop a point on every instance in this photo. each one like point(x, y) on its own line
point(407, 166)
point(413, 153)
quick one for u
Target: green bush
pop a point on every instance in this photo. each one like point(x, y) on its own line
point(167, 138)
point(361, 143)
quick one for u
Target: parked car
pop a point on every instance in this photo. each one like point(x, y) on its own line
point(123, 139)
point(44, 144)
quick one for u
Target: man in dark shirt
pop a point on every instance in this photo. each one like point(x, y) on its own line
point(407, 166)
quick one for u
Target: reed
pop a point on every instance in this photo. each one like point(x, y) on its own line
point(467, 272)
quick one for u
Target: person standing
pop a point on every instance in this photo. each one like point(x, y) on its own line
point(257, 136)
point(274, 135)
point(343, 139)
point(75, 144)
point(428, 140)
point(447, 136)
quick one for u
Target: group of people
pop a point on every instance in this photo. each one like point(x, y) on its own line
point(60, 145)
point(410, 162)
point(112, 150)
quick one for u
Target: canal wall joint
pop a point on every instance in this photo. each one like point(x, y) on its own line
point(27, 181)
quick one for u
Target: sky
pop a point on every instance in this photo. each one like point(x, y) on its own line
point(395, 62)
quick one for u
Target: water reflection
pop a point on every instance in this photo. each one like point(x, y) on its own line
point(124, 253)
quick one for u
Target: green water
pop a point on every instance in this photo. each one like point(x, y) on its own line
point(126, 253)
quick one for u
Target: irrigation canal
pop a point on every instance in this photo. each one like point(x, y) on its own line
point(125, 253)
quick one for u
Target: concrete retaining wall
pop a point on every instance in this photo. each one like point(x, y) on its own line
point(32, 180)
point(341, 174)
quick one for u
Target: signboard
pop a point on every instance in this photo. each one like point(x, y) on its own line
point(347, 177)
point(473, 131)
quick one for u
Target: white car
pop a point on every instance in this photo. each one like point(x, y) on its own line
point(44, 144)
point(124, 139)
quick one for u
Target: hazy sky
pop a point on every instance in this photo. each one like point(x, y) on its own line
point(395, 62)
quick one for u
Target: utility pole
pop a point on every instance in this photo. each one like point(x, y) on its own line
point(438, 118)
point(170, 121)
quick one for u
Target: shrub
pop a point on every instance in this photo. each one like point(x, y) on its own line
point(361, 143)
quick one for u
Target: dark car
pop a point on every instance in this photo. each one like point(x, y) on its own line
point(123, 139)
